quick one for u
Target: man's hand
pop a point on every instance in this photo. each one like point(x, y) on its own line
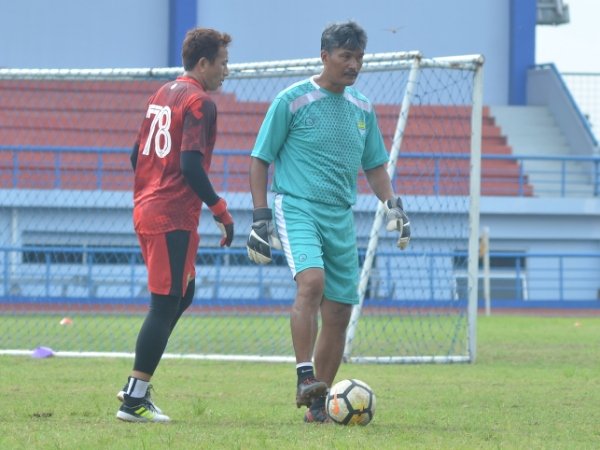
point(224, 221)
point(397, 220)
point(262, 237)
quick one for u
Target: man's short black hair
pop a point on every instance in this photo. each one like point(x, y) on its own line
point(348, 35)
point(202, 43)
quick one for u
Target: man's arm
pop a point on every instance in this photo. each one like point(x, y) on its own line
point(196, 177)
point(396, 218)
point(259, 173)
point(380, 182)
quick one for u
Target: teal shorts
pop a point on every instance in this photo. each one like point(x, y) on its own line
point(315, 235)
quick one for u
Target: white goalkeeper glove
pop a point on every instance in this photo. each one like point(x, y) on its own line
point(263, 237)
point(397, 220)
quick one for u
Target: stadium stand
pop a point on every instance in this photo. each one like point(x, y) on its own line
point(73, 135)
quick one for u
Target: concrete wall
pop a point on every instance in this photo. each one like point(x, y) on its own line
point(557, 232)
point(135, 33)
point(83, 34)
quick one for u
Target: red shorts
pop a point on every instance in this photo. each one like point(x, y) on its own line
point(170, 259)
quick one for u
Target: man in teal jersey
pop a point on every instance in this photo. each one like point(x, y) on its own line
point(319, 132)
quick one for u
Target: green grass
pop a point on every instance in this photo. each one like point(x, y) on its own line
point(535, 385)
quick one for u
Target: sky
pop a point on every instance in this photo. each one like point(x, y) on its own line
point(572, 47)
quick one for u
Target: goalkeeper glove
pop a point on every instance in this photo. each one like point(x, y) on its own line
point(397, 220)
point(223, 220)
point(263, 236)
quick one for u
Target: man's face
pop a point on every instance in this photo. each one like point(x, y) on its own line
point(214, 73)
point(341, 66)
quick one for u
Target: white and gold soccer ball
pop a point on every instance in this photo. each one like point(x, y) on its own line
point(351, 402)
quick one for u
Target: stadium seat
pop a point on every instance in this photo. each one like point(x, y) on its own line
point(96, 115)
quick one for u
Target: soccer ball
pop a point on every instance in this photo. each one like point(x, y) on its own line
point(351, 402)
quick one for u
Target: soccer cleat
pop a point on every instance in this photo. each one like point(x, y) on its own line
point(142, 412)
point(308, 390)
point(147, 397)
point(317, 413)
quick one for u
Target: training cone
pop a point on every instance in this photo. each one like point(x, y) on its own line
point(42, 352)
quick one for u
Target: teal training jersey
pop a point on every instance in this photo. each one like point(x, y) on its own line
point(318, 141)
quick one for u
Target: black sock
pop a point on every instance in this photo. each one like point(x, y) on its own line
point(304, 372)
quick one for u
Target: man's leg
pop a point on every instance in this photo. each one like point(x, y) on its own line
point(305, 310)
point(329, 349)
point(145, 377)
point(169, 258)
point(154, 335)
point(328, 352)
point(150, 345)
point(304, 327)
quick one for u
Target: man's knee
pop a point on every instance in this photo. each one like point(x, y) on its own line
point(310, 284)
point(335, 314)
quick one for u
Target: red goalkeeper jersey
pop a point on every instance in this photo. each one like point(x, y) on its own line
point(180, 117)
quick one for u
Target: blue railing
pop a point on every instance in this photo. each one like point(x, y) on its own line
point(83, 275)
point(45, 168)
point(21, 166)
point(116, 275)
point(560, 176)
point(544, 279)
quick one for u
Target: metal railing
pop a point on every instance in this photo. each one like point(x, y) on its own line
point(75, 275)
point(543, 279)
point(420, 173)
point(559, 176)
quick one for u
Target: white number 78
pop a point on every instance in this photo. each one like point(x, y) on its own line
point(159, 128)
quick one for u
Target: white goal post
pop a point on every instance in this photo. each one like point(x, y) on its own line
point(67, 247)
point(468, 354)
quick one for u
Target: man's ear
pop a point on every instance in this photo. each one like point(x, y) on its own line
point(324, 55)
point(202, 63)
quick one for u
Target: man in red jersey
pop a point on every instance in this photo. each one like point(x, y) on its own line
point(171, 160)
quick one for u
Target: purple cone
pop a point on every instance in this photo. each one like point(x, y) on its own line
point(42, 352)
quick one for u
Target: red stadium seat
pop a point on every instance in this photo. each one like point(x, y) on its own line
point(107, 114)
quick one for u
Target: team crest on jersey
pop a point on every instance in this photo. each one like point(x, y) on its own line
point(362, 126)
point(310, 122)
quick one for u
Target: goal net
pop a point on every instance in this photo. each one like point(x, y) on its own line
point(71, 275)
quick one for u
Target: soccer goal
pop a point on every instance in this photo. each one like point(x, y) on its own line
point(72, 278)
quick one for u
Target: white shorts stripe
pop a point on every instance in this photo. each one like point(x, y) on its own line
point(282, 232)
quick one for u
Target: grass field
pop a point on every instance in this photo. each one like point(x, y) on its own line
point(535, 385)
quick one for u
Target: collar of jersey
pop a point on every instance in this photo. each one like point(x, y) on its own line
point(190, 80)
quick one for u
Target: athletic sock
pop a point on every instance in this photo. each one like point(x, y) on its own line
point(136, 388)
point(304, 370)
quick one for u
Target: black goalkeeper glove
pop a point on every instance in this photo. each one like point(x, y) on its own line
point(263, 237)
point(397, 220)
